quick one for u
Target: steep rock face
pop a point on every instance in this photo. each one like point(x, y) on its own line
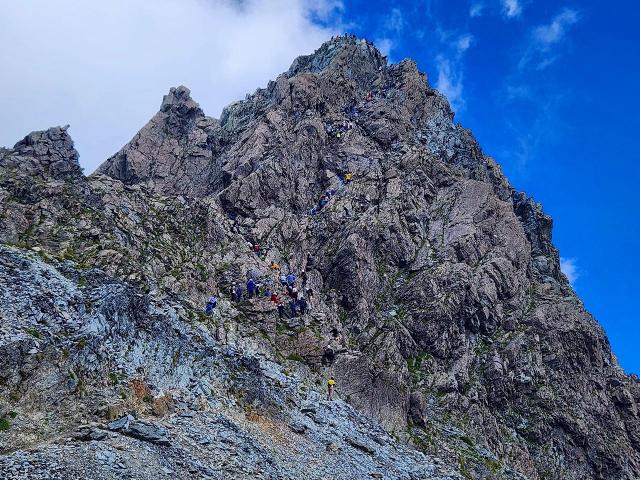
point(76, 342)
point(438, 291)
point(176, 150)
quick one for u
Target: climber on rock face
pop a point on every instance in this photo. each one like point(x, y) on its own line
point(238, 293)
point(292, 307)
point(329, 356)
point(274, 297)
point(331, 383)
point(251, 286)
point(304, 278)
point(275, 266)
point(309, 295)
point(302, 304)
point(281, 310)
point(348, 177)
point(291, 279)
point(211, 305)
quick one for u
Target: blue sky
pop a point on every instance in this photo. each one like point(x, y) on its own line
point(549, 88)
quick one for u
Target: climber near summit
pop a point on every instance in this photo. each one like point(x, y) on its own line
point(331, 383)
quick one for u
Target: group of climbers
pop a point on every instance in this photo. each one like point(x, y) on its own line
point(338, 130)
point(351, 110)
point(298, 302)
point(326, 196)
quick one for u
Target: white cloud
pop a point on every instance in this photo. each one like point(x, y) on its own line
point(463, 43)
point(511, 8)
point(476, 9)
point(395, 21)
point(450, 66)
point(450, 82)
point(554, 32)
point(385, 45)
point(325, 10)
point(544, 40)
point(103, 67)
point(570, 269)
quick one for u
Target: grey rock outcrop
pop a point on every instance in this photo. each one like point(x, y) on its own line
point(438, 304)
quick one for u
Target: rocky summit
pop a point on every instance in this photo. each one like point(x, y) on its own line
point(426, 286)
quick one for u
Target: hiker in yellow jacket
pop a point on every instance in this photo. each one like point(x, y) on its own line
point(331, 383)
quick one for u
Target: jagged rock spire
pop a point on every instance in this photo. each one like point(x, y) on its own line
point(50, 152)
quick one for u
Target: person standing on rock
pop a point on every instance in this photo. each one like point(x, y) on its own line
point(211, 305)
point(331, 383)
point(251, 287)
point(302, 304)
point(309, 295)
point(281, 310)
point(239, 291)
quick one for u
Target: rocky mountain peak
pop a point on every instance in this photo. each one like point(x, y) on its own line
point(432, 294)
point(354, 55)
point(179, 102)
point(50, 152)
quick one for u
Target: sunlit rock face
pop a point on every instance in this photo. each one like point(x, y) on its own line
point(458, 347)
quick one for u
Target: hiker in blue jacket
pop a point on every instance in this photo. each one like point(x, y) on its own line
point(251, 286)
point(211, 305)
